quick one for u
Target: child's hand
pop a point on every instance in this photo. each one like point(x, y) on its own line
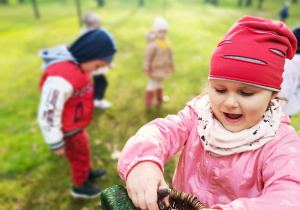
point(142, 184)
point(60, 151)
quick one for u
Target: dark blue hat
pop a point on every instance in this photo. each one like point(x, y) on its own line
point(296, 32)
point(95, 44)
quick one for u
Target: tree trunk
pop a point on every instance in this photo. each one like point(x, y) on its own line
point(35, 9)
point(240, 2)
point(260, 4)
point(141, 3)
point(248, 3)
point(78, 7)
point(100, 3)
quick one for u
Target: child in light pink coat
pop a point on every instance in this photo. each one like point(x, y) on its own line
point(239, 150)
point(158, 61)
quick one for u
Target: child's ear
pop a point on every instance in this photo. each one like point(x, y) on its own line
point(274, 94)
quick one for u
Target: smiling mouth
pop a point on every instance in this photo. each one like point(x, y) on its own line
point(233, 116)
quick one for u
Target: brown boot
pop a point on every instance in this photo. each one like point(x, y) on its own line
point(149, 99)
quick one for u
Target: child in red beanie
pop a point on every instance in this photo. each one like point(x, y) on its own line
point(239, 150)
point(66, 105)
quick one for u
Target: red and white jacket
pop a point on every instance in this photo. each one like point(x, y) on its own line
point(66, 102)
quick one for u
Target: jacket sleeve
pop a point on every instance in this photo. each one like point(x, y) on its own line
point(149, 53)
point(281, 178)
point(55, 92)
point(291, 81)
point(157, 141)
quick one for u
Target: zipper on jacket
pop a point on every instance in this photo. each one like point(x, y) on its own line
point(209, 167)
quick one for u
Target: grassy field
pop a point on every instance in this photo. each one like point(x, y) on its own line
point(31, 177)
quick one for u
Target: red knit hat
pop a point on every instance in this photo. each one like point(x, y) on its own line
point(253, 51)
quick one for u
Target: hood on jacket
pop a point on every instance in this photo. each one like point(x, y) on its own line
point(55, 55)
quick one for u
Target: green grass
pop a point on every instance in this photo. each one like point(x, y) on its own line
point(31, 177)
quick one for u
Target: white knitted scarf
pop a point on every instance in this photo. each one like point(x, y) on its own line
point(216, 139)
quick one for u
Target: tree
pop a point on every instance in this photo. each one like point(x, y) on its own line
point(214, 2)
point(141, 3)
point(260, 4)
point(295, 1)
point(35, 9)
point(248, 3)
point(100, 3)
point(78, 7)
point(240, 2)
point(3, 1)
point(21, 1)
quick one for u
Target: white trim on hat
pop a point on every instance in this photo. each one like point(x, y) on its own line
point(247, 83)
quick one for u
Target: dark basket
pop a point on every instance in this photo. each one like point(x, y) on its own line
point(116, 198)
point(181, 200)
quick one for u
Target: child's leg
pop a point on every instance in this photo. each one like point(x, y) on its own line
point(149, 92)
point(151, 85)
point(159, 90)
point(100, 85)
point(78, 153)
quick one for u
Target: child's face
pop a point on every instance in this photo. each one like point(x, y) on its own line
point(93, 65)
point(238, 106)
point(161, 34)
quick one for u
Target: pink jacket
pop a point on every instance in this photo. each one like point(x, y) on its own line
point(263, 179)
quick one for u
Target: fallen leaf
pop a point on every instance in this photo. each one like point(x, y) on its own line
point(16, 206)
point(32, 130)
point(34, 147)
point(99, 162)
point(116, 153)
point(98, 142)
point(108, 146)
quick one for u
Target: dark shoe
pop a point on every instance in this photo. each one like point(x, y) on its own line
point(96, 174)
point(86, 190)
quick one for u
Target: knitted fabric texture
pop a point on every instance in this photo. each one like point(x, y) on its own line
point(95, 44)
point(253, 51)
point(160, 24)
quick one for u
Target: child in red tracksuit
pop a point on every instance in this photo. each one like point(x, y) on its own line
point(67, 103)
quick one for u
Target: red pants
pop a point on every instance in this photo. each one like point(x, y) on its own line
point(77, 151)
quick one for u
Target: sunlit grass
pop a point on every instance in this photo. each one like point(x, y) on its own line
point(31, 177)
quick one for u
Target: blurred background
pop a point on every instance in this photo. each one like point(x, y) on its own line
point(31, 177)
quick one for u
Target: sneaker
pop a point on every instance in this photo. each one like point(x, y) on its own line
point(86, 190)
point(96, 174)
point(102, 104)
